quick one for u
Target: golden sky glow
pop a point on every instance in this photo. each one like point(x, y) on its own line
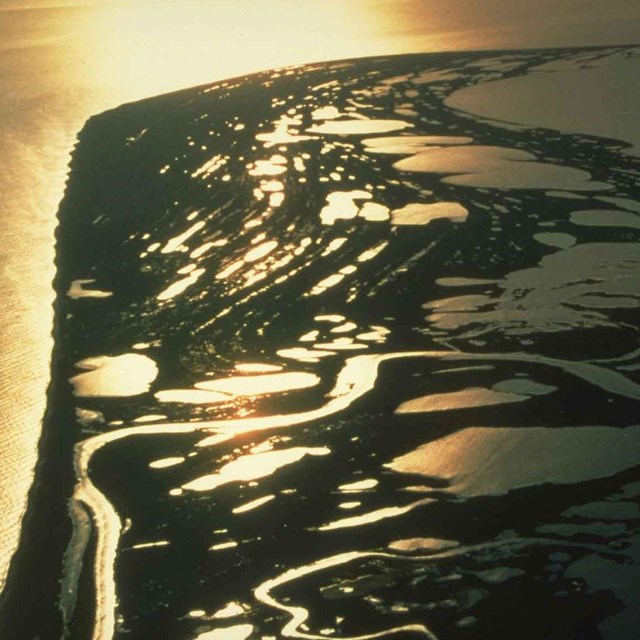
point(147, 48)
point(129, 50)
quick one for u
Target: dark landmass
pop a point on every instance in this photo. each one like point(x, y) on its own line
point(337, 360)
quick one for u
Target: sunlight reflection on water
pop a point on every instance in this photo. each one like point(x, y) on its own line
point(249, 267)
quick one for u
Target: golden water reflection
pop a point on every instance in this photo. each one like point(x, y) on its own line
point(257, 367)
point(497, 167)
point(164, 463)
point(409, 145)
point(129, 374)
point(359, 127)
point(260, 384)
point(464, 399)
point(239, 632)
point(341, 205)
point(420, 214)
point(254, 504)
point(253, 467)
point(493, 461)
point(78, 290)
point(422, 544)
point(232, 610)
point(192, 396)
point(360, 485)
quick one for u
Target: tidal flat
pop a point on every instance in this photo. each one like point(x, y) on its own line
point(338, 357)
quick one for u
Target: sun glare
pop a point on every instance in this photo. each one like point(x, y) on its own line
point(147, 48)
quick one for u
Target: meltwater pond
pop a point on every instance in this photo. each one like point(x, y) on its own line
point(337, 360)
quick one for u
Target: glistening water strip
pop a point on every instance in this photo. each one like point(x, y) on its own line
point(299, 615)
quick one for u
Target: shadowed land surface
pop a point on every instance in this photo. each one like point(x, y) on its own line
point(334, 359)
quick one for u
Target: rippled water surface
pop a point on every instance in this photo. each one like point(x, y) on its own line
point(340, 361)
